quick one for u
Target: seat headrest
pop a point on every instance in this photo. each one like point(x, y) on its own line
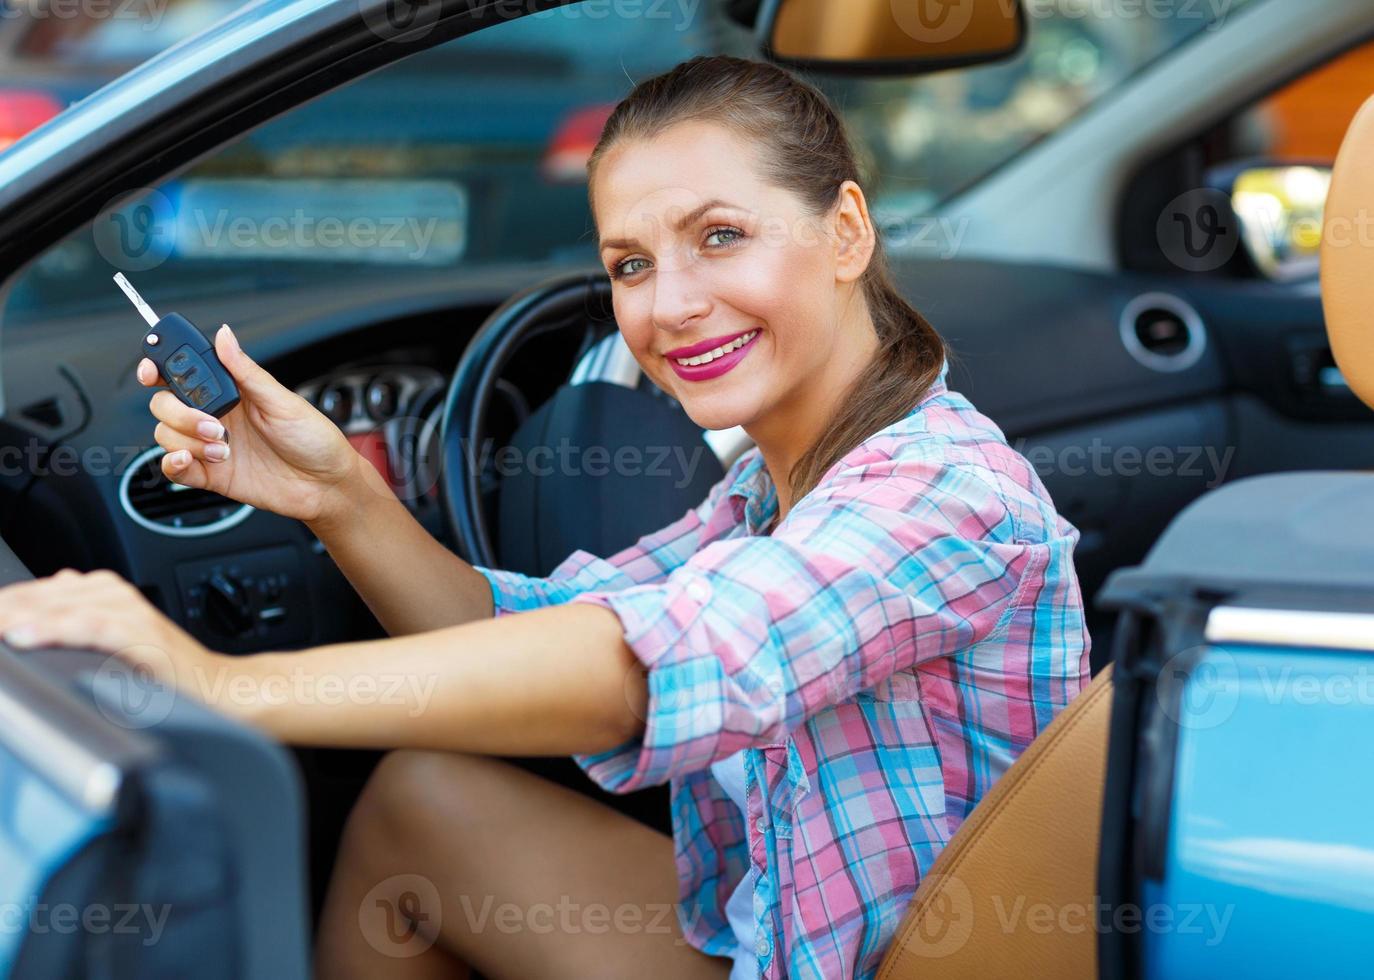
point(1347, 261)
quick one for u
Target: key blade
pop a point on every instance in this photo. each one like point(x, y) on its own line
point(139, 303)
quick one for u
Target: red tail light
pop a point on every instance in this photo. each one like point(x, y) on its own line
point(573, 142)
point(22, 111)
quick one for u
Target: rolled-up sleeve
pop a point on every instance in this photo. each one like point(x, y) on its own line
point(886, 565)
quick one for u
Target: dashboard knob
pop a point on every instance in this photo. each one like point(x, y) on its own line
point(336, 402)
point(228, 608)
point(382, 399)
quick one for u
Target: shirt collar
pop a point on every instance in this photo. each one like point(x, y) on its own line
point(753, 488)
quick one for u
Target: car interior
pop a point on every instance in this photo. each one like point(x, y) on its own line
point(1141, 394)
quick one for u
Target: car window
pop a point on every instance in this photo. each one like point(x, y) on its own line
point(472, 154)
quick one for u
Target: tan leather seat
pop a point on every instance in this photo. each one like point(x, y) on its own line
point(1013, 894)
point(1348, 257)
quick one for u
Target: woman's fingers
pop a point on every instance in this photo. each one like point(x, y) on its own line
point(147, 375)
point(172, 440)
point(185, 419)
point(180, 466)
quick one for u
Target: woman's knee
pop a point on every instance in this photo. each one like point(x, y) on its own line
point(412, 790)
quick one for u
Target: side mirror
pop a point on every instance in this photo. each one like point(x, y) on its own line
point(1280, 208)
point(889, 37)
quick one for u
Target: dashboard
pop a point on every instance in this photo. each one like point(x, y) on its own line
point(392, 415)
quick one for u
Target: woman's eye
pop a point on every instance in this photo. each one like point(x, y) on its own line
point(732, 235)
point(626, 268)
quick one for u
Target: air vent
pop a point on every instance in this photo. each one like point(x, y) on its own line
point(154, 502)
point(1163, 332)
point(46, 412)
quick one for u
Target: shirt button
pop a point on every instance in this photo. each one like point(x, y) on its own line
point(760, 826)
point(698, 590)
point(762, 945)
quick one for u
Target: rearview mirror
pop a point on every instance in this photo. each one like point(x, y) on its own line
point(889, 37)
point(1280, 208)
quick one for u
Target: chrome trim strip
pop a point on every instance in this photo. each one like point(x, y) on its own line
point(610, 360)
point(1192, 323)
point(52, 733)
point(1291, 627)
point(223, 524)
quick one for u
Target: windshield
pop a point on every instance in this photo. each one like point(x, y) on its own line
point(472, 154)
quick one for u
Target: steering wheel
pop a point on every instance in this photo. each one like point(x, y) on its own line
point(544, 516)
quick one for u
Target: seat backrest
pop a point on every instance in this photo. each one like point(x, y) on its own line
point(1347, 261)
point(1012, 894)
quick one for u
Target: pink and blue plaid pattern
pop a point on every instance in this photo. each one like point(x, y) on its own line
point(884, 655)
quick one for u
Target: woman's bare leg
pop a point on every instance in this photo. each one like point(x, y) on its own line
point(450, 860)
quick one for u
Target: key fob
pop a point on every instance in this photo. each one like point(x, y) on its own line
point(186, 359)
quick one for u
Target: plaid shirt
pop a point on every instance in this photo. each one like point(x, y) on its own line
point(884, 655)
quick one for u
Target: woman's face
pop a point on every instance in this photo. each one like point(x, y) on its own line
point(703, 254)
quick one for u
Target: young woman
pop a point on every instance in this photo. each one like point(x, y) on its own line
point(831, 658)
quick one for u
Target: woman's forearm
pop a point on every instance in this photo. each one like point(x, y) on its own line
point(410, 581)
point(552, 681)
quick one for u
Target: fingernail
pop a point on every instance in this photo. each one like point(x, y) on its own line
point(20, 636)
point(210, 430)
point(179, 458)
point(217, 451)
point(233, 341)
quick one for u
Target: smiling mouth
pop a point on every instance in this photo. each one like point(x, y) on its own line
point(719, 352)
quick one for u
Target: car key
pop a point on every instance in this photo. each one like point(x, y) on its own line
point(184, 357)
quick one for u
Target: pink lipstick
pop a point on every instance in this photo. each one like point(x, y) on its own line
point(718, 365)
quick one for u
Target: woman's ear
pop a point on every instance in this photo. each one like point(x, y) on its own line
point(855, 238)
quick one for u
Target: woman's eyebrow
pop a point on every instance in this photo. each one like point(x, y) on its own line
point(682, 223)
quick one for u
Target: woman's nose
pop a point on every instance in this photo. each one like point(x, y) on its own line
point(680, 298)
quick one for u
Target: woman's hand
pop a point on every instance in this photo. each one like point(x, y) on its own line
point(281, 454)
point(101, 611)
